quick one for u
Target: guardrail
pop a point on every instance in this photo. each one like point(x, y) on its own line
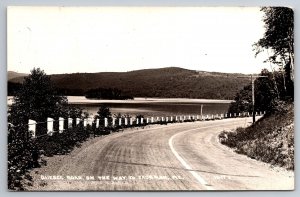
point(113, 122)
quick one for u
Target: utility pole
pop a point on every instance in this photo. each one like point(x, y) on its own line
point(253, 94)
point(253, 100)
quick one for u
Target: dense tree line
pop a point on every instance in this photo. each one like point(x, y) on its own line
point(277, 88)
point(163, 83)
point(110, 94)
point(269, 92)
point(13, 88)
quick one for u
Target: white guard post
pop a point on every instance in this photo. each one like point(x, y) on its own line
point(142, 120)
point(32, 127)
point(84, 123)
point(97, 123)
point(61, 124)
point(130, 121)
point(77, 121)
point(70, 122)
point(113, 122)
point(105, 122)
point(50, 126)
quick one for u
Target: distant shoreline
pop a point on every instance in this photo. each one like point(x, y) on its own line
point(81, 100)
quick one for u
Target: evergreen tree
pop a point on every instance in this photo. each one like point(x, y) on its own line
point(37, 99)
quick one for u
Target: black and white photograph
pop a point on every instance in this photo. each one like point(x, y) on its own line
point(148, 98)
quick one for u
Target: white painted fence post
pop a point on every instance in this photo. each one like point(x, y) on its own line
point(105, 122)
point(32, 127)
point(137, 121)
point(152, 119)
point(171, 118)
point(126, 121)
point(84, 123)
point(90, 121)
point(61, 124)
point(142, 120)
point(113, 122)
point(130, 121)
point(120, 121)
point(77, 121)
point(50, 126)
point(97, 123)
point(70, 122)
point(147, 120)
point(162, 119)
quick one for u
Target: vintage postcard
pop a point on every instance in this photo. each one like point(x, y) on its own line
point(150, 98)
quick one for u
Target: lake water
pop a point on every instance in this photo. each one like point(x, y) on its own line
point(150, 106)
point(153, 106)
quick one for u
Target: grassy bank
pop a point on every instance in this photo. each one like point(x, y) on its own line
point(270, 139)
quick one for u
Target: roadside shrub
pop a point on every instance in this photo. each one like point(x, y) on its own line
point(270, 139)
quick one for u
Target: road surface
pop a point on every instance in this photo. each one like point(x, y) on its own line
point(182, 156)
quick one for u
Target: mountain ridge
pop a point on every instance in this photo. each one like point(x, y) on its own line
point(164, 82)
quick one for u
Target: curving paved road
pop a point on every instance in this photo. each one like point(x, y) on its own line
point(185, 156)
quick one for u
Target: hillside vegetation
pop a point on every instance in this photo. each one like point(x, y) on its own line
point(164, 82)
point(13, 75)
point(270, 139)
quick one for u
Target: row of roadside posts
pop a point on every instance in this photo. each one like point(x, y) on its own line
point(130, 121)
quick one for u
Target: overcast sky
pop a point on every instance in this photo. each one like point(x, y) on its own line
point(97, 39)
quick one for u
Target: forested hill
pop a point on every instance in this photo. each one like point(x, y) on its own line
point(164, 82)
